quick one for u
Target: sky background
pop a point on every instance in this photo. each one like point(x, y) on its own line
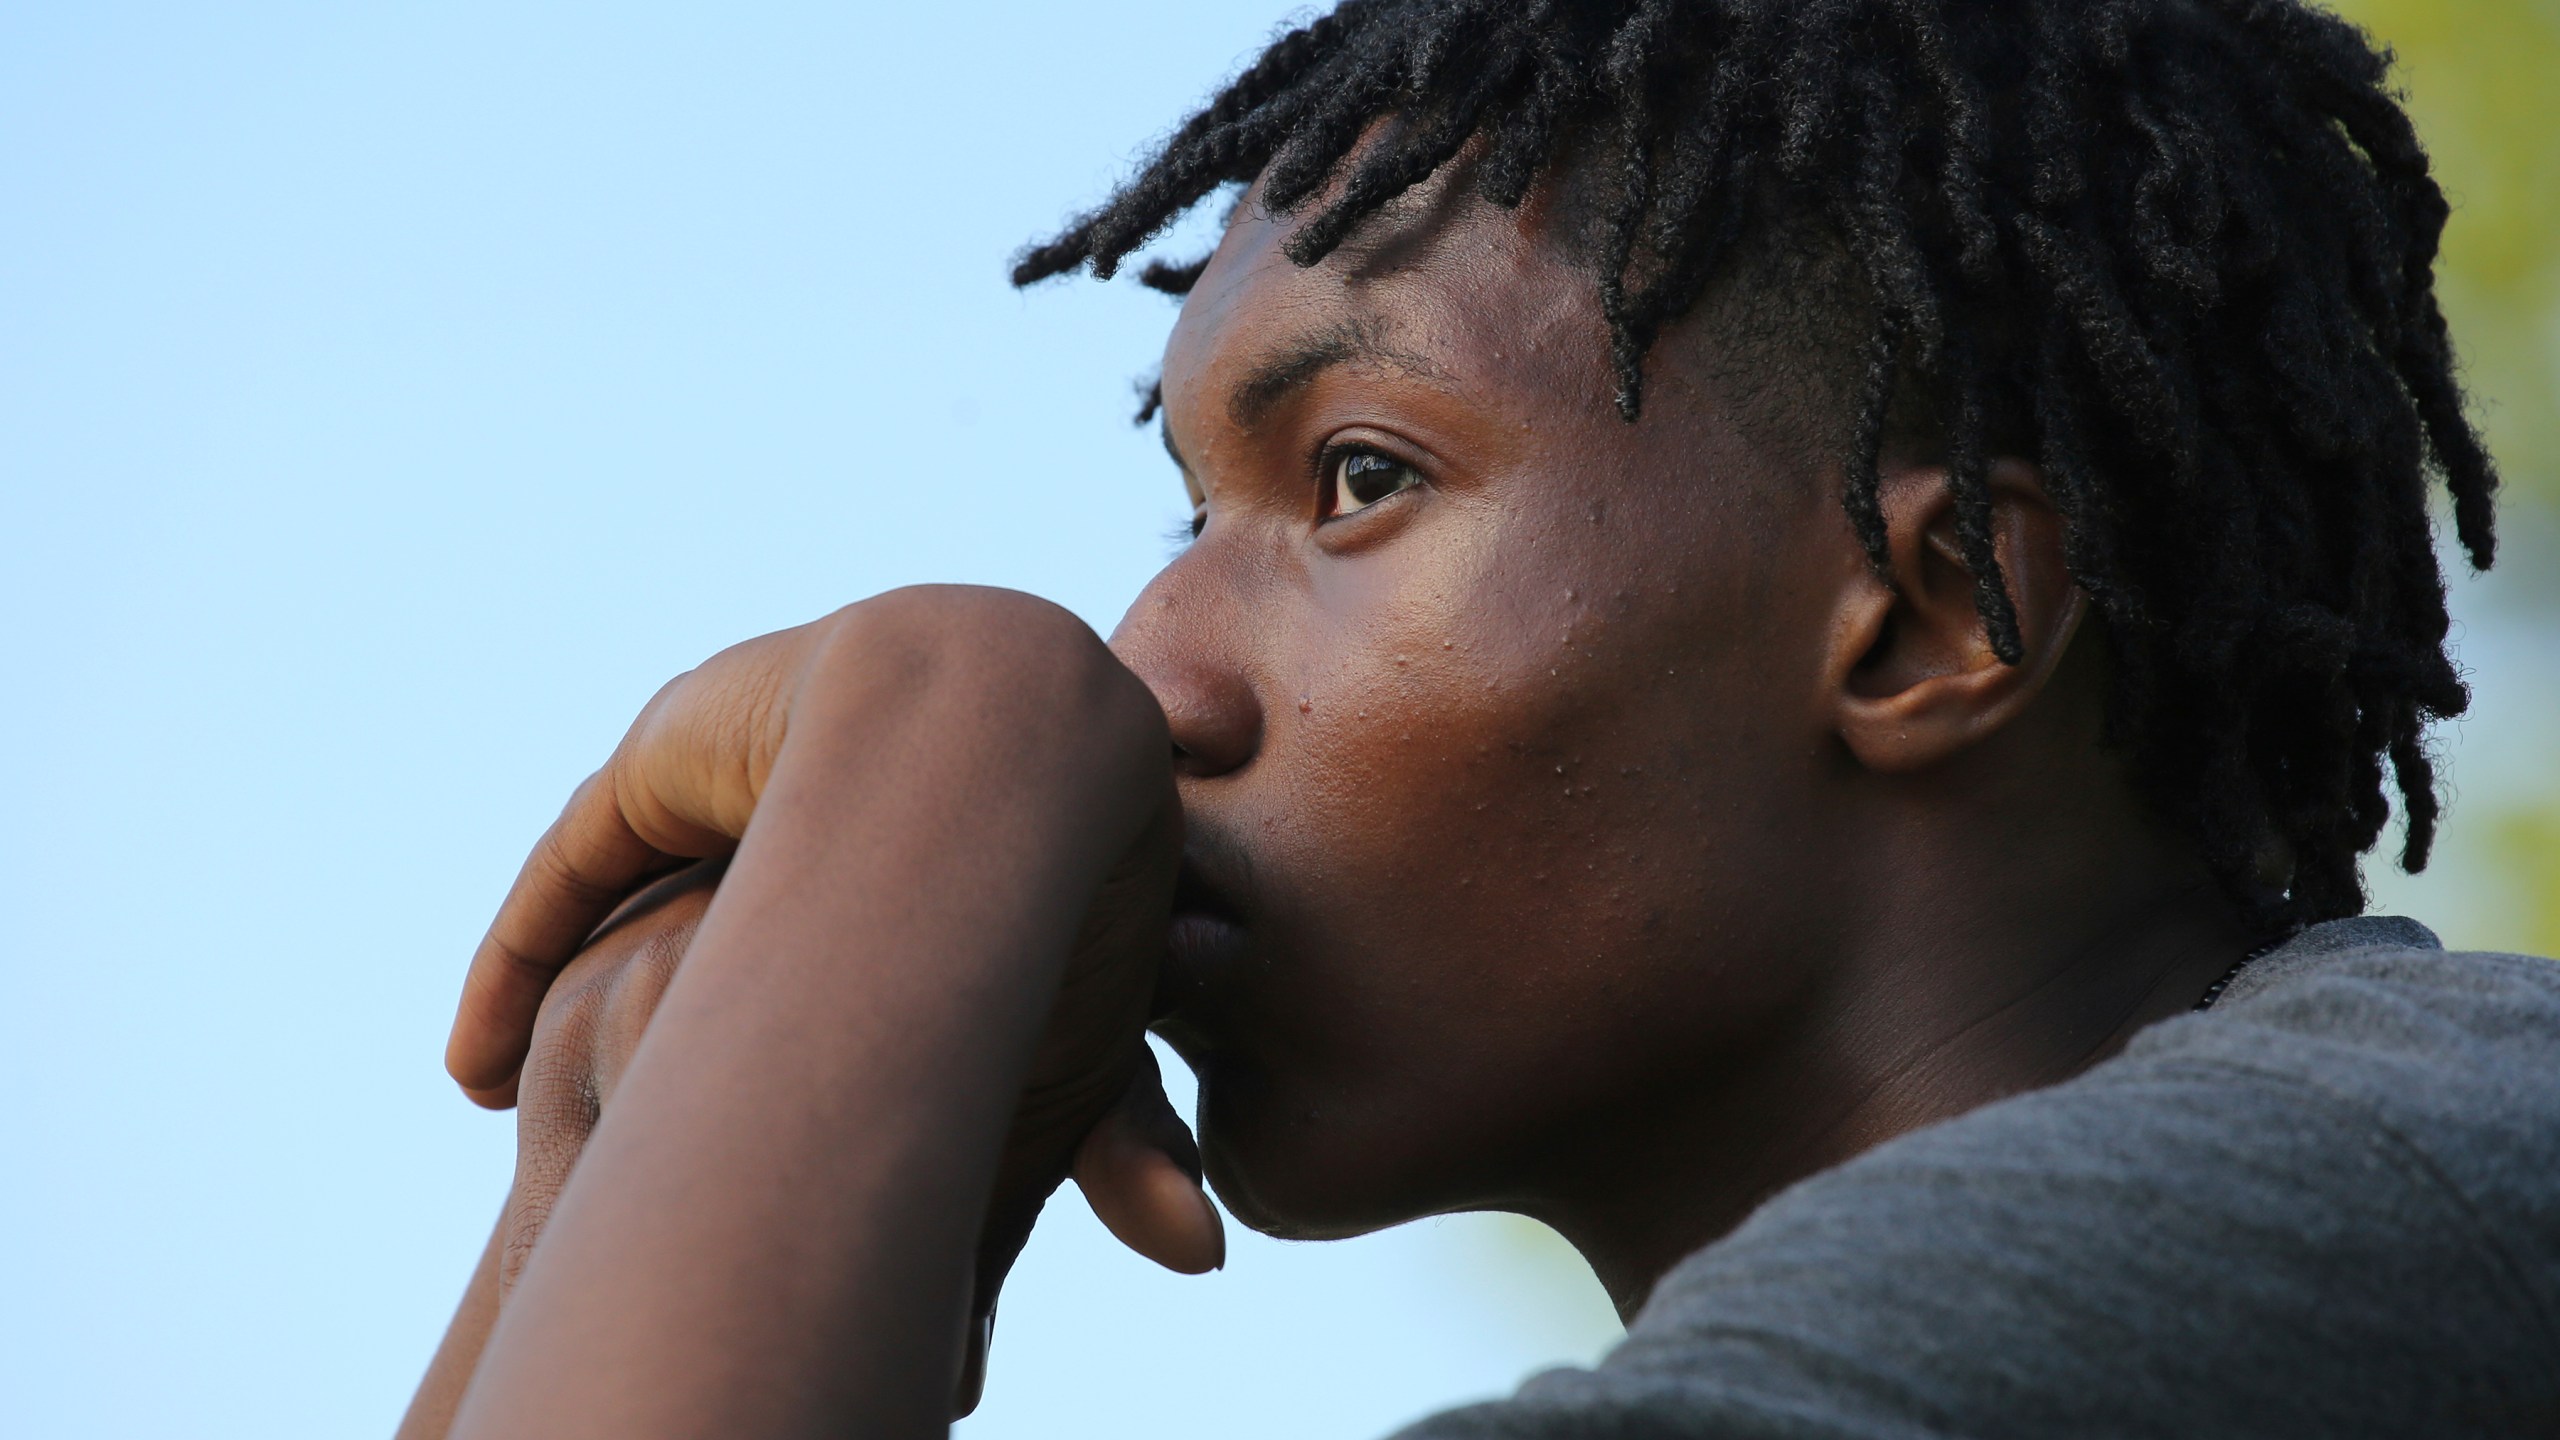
point(392, 396)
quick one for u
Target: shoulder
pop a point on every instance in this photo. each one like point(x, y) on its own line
point(2330, 1205)
point(2359, 1001)
point(2448, 1062)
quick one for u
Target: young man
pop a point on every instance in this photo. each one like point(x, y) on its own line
point(1781, 594)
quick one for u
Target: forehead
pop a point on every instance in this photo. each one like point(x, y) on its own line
point(1440, 285)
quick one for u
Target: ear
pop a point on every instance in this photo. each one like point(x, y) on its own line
point(1912, 673)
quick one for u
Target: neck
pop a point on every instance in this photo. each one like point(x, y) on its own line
point(1963, 999)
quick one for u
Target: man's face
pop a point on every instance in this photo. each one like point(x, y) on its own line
point(1501, 719)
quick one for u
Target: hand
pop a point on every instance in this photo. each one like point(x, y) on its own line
point(591, 1021)
point(1138, 1166)
point(685, 782)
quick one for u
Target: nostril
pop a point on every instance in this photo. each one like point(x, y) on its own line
point(1215, 717)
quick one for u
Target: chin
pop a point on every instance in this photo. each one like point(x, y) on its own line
point(1289, 1168)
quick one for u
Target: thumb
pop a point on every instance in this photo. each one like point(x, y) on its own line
point(1140, 1171)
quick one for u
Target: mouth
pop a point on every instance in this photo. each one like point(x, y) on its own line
point(1207, 940)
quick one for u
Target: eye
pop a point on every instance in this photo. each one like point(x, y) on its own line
point(1358, 479)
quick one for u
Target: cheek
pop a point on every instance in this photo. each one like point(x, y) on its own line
point(1512, 826)
point(1514, 793)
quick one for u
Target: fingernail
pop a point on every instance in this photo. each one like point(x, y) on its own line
point(1217, 1227)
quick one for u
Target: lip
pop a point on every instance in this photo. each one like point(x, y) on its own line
point(1202, 944)
point(1206, 941)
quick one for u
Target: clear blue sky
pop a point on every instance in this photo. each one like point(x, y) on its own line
point(391, 397)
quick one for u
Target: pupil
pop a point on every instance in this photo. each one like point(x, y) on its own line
point(1370, 477)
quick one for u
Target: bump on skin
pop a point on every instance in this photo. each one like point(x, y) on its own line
point(2191, 243)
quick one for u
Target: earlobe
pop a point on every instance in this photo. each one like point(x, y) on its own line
point(1912, 673)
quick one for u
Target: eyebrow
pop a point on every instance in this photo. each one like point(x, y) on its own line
point(1295, 365)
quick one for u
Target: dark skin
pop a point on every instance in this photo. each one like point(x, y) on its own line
point(1576, 825)
point(1620, 849)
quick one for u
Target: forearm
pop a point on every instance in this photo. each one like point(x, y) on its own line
point(772, 1231)
point(431, 1410)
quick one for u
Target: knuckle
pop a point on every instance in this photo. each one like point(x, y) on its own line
point(560, 872)
point(956, 634)
point(557, 1084)
point(1013, 653)
point(945, 613)
point(558, 1095)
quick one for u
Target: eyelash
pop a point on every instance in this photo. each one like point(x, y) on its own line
point(1330, 480)
point(1179, 536)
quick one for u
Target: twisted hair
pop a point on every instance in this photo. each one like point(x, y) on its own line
point(2179, 253)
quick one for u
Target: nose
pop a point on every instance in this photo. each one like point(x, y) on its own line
point(1216, 721)
point(1187, 647)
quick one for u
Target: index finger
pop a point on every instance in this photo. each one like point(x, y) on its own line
point(585, 864)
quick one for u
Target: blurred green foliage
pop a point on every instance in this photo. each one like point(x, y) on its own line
point(2526, 840)
point(2483, 81)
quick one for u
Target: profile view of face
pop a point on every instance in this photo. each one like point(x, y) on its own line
point(1500, 721)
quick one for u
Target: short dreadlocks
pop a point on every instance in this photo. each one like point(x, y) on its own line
point(2178, 252)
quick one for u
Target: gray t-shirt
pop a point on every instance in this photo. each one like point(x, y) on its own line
point(2328, 1206)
